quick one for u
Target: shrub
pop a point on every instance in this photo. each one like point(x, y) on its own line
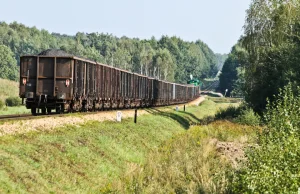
point(273, 167)
point(229, 113)
point(13, 101)
point(1, 104)
point(248, 117)
point(241, 114)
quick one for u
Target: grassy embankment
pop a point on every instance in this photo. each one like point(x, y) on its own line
point(10, 88)
point(225, 100)
point(156, 155)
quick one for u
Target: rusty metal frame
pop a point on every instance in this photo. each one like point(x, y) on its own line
point(54, 77)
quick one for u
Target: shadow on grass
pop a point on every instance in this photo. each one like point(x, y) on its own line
point(185, 121)
point(191, 115)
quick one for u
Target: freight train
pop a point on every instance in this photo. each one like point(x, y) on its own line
point(55, 80)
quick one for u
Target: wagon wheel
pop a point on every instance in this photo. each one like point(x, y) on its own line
point(33, 111)
point(60, 109)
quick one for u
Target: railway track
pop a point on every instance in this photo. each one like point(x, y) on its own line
point(26, 116)
point(23, 123)
point(40, 115)
point(15, 116)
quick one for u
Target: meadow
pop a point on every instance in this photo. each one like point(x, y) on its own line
point(166, 151)
point(8, 89)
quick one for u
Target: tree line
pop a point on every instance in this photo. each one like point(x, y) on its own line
point(267, 56)
point(169, 58)
point(264, 67)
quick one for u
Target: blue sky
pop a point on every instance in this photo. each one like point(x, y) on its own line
point(219, 23)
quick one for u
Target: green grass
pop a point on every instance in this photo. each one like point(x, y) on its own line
point(225, 100)
point(75, 159)
point(14, 110)
point(91, 157)
point(8, 88)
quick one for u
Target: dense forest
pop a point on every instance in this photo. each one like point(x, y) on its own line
point(169, 58)
point(264, 68)
point(267, 56)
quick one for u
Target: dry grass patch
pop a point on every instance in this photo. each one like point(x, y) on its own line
point(192, 162)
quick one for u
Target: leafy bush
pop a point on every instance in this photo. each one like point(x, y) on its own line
point(229, 113)
point(274, 167)
point(13, 101)
point(248, 117)
point(1, 104)
point(241, 114)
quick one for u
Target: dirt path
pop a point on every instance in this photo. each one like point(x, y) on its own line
point(46, 124)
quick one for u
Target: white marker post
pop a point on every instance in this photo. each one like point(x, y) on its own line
point(119, 116)
point(176, 108)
